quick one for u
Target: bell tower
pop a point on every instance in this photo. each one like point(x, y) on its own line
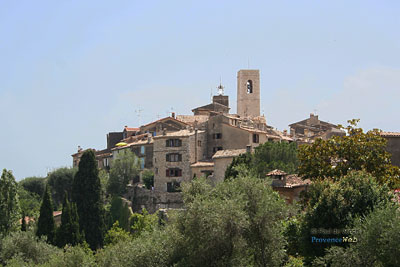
point(248, 93)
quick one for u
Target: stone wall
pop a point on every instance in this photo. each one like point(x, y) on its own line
point(393, 147)
point(153, 200)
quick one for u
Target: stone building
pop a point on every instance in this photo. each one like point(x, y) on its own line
point(393, 146)
point(288, 186)
point(174, 153)
point(306, 131)
point(180, 147)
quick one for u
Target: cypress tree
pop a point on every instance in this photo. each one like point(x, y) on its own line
point(46, 225)
point(9, 203)
point(86, 193)
point(68, 232)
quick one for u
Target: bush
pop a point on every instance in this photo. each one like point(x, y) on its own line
point(26, 247)
point(148, 178)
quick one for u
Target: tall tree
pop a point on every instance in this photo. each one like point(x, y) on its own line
point(123, 169)
point(61, 181)
point(355, 151)
point(9, 203)
point(34, 185)
point(68, 232)
point(335, 205)
point(46, 225)
point(86, 193)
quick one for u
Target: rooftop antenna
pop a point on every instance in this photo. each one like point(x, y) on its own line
point(169, 113)
point(220, 87)
point(211, 96)
point(138, 112)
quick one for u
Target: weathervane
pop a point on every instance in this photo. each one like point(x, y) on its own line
point(220, 87)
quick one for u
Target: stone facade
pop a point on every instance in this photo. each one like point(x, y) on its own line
point(248, 93)
point(179, 148)
point(393, 146)
point(173, 155)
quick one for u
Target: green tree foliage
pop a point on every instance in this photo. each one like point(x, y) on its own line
point(86, 193)
point(356, 151)
point(68, 232)
point(46, 225)
point(267, 157)
point(119, 211)
point(148, 178)
point(116, 234)
point(378, 236)
point(156, 248)
point(25, 248)
point(123, 169)
point(275, 155)
point(143, 222)
point(61, 181)
point(103, 176)
point(34, 185)
point(75, 256)
point(335, 205)
point(239, 222)
point(245, 160)
point(29, 202)
point(23, 223)
point(10, 211)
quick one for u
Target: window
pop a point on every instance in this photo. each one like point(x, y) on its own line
point(256, 138)
point(199, 143)
point(142, 150)
point(173, 172)
point(215, 149)
point(173, 157)
point(142, 163)
point(156, 170)
point(173, 143)
point(249, 86)
point(217, 136)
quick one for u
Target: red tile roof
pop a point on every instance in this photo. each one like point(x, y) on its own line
point(130, 129)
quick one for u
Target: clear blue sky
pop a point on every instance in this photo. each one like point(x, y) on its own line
point(71, 71)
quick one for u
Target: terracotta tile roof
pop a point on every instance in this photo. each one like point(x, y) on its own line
point(294, 180)
point(276, 172)
point(57, 213)
point(203, 164)
point(190, 119)
point(181, 133)
point(390, 134)
point(163, 119)
point(130, 129)
point(228, 153)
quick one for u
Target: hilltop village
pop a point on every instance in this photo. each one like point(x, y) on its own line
point(179, 148)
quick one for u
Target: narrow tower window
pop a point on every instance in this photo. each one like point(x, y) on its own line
point(249, 87)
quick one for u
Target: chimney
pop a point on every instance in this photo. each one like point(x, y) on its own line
point(285, 132)
point(79, 149)
point(173, 115)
